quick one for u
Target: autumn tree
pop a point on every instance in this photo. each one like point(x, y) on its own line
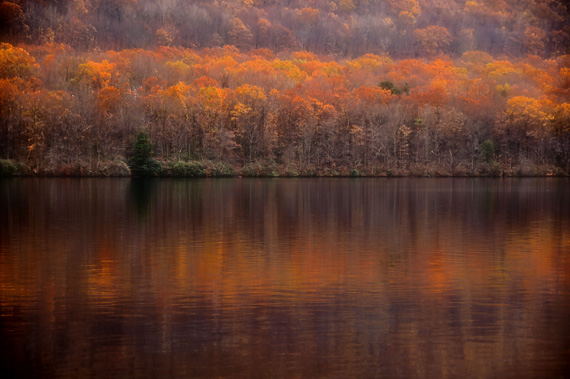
point(433, 39)
point(527, 120)
point(248, 118)
point(16, 62)
point(238, 34)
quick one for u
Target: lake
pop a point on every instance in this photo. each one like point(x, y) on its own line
point(270, 278)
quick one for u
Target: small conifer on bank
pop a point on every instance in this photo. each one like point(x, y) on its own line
point(140, 161)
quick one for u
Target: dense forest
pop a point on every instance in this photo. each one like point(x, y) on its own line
point(266, 87)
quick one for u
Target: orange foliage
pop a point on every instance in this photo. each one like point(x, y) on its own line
point(204, 81)
point(372, 95)
point(108, 99)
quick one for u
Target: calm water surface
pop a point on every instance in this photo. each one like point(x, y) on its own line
point(342, 278)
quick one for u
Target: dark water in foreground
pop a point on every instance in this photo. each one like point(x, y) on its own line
point(285, 278)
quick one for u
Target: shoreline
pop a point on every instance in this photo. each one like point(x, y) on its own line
point(209, 169)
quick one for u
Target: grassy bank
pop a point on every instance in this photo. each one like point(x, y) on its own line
point(118, 167)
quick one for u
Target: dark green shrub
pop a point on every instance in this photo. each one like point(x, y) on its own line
point(222, 169)
point(7, 167)
point(269, 169)
point(251, 170)
point(259, 169)
point(150, 168)
point(389, 86)
point(188, 169)
point(291, 172)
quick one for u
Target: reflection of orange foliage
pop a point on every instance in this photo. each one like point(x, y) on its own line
point(103, 272)
point(439, 272)
point(536, 257)
point(234, 269)
point(102, 279)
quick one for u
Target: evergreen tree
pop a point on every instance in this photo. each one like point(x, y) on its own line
point(140, 161)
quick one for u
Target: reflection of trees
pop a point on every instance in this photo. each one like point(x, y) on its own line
point(319, 277)
point(140, 195)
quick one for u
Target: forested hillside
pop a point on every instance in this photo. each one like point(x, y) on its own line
point(344, 87)
point(400, 28)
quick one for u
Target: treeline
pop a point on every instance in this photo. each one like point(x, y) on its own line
point(346, 28)
point(221, 111)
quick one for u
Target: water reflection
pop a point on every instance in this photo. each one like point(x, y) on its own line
point(285, 277)
point(140, 195)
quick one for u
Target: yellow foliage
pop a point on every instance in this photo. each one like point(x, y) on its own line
point(368, 62)
point(97, 75)
point(178, 67)
point(522, 109)
point(211, 97)
point(503, 89)
point(292, 71)
point(353, 65)
point(332, 69)
point(240, 110)
point(250, 93)
point(500, 69)
point(16, 62)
